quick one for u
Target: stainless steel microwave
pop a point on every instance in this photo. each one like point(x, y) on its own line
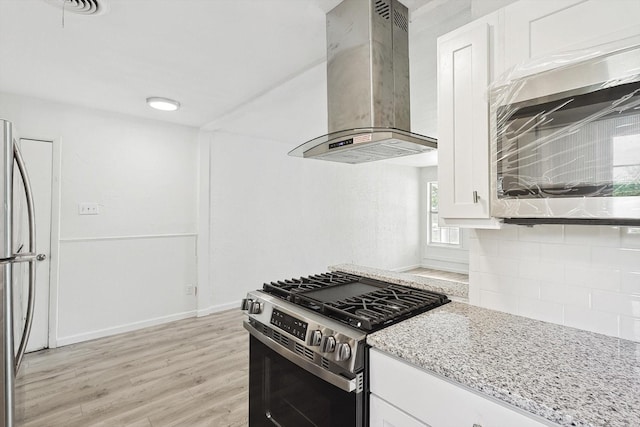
point(565, 145)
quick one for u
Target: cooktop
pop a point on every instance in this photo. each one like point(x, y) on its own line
point(360, 302)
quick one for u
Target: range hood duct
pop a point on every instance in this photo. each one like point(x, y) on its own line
point(368, 86)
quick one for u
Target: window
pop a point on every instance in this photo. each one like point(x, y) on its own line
point(444, 236)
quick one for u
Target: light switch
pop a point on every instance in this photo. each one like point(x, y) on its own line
point(88, 209)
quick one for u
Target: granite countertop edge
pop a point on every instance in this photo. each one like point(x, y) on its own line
point(451, 288)
point(519, 376)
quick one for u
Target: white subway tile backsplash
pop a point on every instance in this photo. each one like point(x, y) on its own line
point(620, 257)
point(485, 247)
point(544, 271)
point(630, 328)
point(541, 233)
point(528, 288)
point(614, 302)
point(589, 235)
point(586, 275)
point(541, 310)
point(630, 283)
point(630, 237)
point(498, 265)
point(566, 294)
point(565, 253)
point(605, 256)
point(577, 296)
point(498, 301)
point(495, 283)
point(629, 258)
point(591, 320)
point(514, 249)
point(474, 291)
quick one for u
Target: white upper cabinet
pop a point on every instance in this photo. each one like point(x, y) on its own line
point(468, 58)
point(476, 55)
point(535, 29)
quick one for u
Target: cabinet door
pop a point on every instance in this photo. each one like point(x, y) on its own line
point(464, 70)
point(437, 402)
point(534, 29)
point(382, 414)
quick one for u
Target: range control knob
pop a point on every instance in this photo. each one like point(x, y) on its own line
point(343, 352)
point(255, 307)
point(245, 304)
point(328, 344)
point(315, 337)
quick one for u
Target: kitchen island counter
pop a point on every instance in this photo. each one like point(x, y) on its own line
point(565, 375)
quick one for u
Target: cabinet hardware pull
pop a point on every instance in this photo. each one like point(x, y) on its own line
point(475, 197)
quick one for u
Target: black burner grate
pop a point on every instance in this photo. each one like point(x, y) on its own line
point(289, 288)
point(384, 306)
point(360, 302)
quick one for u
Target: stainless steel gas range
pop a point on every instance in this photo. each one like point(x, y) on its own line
point(308, 351)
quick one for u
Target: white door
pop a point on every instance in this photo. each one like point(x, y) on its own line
point(38, 158)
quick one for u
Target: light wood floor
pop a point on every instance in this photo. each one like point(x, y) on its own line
point(193, 372)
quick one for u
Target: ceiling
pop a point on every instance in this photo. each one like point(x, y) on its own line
point(211, 55)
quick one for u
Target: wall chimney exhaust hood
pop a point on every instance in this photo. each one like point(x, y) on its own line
point(368, 86)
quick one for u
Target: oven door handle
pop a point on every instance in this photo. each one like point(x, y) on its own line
point(354, 385)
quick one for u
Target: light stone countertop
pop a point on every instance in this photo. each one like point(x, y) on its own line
point(452, 288)
point(568, 376)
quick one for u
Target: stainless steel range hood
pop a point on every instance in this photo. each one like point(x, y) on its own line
point(368, 86)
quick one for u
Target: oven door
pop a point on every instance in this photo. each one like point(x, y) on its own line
point(282, 393)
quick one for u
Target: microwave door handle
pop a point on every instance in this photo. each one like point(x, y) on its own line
point(32, 260)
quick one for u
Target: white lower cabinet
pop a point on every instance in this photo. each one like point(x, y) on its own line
point(382, 414)
point(405, 395)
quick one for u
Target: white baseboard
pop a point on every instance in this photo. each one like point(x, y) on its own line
point(453, 266)
point(407, 268)
point(87, 336)
point(218, 308)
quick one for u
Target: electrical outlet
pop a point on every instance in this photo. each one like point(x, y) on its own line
point(188, 290)
point(88, 209)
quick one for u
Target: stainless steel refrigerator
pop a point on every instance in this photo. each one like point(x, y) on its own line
point(16, 311)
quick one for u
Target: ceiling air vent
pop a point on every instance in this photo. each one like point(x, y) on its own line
point(382, 8)
point(81, 7)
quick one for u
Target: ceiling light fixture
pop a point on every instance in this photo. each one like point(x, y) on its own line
point(164, 104)
point(81, 7)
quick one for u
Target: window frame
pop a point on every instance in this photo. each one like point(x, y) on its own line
point(430, 222)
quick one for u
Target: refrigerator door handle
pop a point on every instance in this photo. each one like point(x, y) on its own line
point(23, 257)
point(32, 261)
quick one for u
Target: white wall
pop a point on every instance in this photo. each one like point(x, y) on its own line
point(274, 217)
point(587, 277)
point(271, 215)
point(427, 24)
point(126, 267)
